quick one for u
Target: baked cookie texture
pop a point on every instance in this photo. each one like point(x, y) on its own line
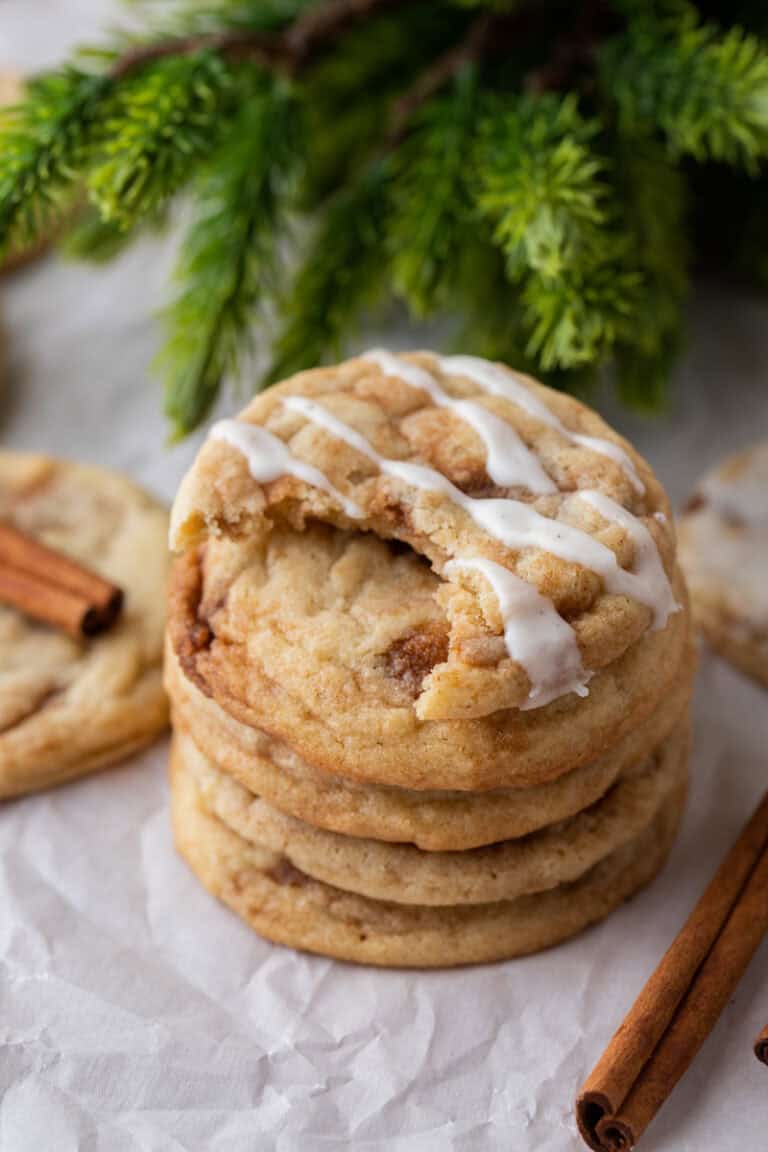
point(404, 874)
point(432, 819)
point(68, 707)
point(287, 906)
point(428, 648)
point(724, 549)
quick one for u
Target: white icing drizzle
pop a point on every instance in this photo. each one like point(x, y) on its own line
point(500, 381)
point(518, 525)
point(649, 584)
point(535, 633)
point(268, 459)
point(509, 461)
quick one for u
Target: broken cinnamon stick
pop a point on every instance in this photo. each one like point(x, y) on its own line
point(49, 586)
point(682, 1000)
point(761, 1046)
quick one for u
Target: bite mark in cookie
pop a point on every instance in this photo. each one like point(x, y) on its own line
point(563, 510)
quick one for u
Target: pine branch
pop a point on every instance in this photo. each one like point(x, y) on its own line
point(345, 131)
point(541, 183)
point(705, 90)
point(546, 190)
point(159, 125)
point(519, 163)
point(44, 143)
point(91, 237)
point(288, 50)
point(343, 272)
point(230, 262)
point(429, 239)
point(653, 196)
point(181, 19)
point(447, 66)
point(577, 318)
point(492, 320)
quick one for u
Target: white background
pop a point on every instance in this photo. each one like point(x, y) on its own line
point(136, 1014)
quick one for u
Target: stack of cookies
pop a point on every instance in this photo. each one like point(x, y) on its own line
point(429, 661)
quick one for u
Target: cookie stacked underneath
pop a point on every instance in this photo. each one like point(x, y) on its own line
point(429, 662)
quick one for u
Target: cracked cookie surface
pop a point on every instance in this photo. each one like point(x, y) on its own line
point(431, 819)
point(294, 634)
point(68, 707)
point(555, 855)
point(285, 905)
point(521, 501)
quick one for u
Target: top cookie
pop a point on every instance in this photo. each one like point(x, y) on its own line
point(550, 535)
point(724, 549)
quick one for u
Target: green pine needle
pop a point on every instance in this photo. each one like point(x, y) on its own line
point(429, 237)
point(653, 195)
point(559, 225)
point(44, 143)
point(90, 237)
point(160, 125)
point(344, 270)
point(547, 191)
point(376, 58)
point(706, 90)
point(230, 261)
point(541, 183)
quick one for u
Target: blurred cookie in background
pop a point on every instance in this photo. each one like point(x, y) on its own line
point(723, 543)
point(70, 704)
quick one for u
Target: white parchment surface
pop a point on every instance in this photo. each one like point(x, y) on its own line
point(137, 1014)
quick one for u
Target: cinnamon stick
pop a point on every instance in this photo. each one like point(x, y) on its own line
point(761, 1046)
point(50, 587)
point(682, 1000)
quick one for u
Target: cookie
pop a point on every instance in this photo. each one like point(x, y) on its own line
point(285, 905)
point(520, 499)
point(431, 819)
point(404, 874)
point(313, 637)
point(724, 549)
point(427, 572)
point(68, 707)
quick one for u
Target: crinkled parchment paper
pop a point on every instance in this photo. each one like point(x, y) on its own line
point(137, 1014)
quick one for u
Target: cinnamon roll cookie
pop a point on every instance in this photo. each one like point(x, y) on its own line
point(69, 707)
point(288, 906)
point(432, 819)
point(404, 874)
point(425, 599)
point(724, 549)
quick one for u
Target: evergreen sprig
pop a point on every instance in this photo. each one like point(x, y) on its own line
point(550, 180)
point(44, 145)
point(428, 235)
point(707, 91)
point(160, 123)
point(229, 266)
point(342, 273)
point(547, 189)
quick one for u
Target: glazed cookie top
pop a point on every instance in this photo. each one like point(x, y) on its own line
point(549, 536)
point(724, 540)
